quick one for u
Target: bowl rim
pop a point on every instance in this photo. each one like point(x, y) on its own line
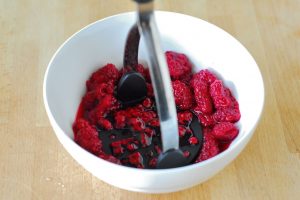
point(89, 155)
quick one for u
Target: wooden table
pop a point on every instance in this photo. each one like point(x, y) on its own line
point(34, 165)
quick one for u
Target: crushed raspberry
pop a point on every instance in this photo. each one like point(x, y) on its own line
point(186, 154)
point(120, 119)
point(105, 74)
point(131, 135)
point(183, 95)
point(158, 150)
point(118, 150)
point(137, 124)
point(193, 140)
point(109, 158)
point(80, 123)
point(148, 116)
point(178, 64)
point(132, 147)
point(140, 68)
point(87, 137)
point(154, 123)
point(149, 132)
point(184, 118)
point(107, 104)
point(225, 131)
point(105, 124)
point(181, 131)
point(145, 140)
point(147, 75)
point(136, 159)
point(147, 103)
point(89, 100)
point(210, 146)
point(153, 162)
point(150, 92)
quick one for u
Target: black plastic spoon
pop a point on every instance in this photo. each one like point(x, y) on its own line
point(132, 87)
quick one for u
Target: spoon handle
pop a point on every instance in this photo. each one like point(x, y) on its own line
point(132, 49)
point(160, 77)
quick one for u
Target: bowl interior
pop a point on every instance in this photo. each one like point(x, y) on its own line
point(103, 42)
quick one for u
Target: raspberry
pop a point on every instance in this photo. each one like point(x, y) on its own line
point(149, 132)
point(103, 89)
point(107, 104)
point(185, 117)
point(225, 131)
point(140, 68)
point(148, 116)
point(150, 92)
point(186, 154)
point(131, 147)
point(147, 103)
point(157, 148)
point(135, 111)
point(218, 94)
point(80, 124)
point(147, 75)
point(183, 95)
point(145, 140)
point(206, 76)
point(136, 160)
point(137, 124)
point(107, 73)
point(87, 138)
point(154, 123)
point(233, 103)
point(104, 123)
point(120, 119)
point(153, 162)
point(181, 131)
point(202, 96)
point(109, 158)
point(206, 120)
point(89, 100)
point(118, 150)
point(210, 146)
point(178, 64)
point(186, 78)
point(204, 105)
point(193, 140)
point(223, 146)
point(227, 115)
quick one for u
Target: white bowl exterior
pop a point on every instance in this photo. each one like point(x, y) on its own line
point(102, 42)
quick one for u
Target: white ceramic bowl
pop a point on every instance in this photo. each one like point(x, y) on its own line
point(102, 42)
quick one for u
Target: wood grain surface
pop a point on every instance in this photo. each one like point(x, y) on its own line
point(34, 165)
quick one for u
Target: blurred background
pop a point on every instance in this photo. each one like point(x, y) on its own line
point(35, 166)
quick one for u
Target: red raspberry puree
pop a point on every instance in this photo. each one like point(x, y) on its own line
point(201, 93)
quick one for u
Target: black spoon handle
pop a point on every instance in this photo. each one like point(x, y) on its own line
point(143, 1)
point(132, 49)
